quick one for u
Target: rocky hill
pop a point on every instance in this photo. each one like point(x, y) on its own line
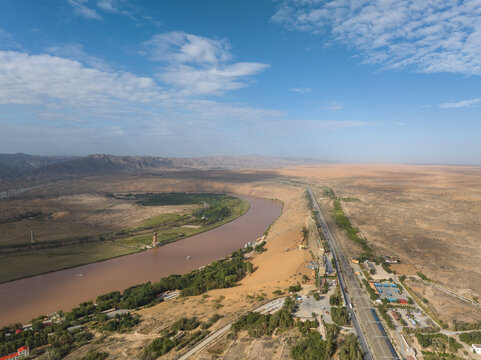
point(15, 165)
point(29, 169)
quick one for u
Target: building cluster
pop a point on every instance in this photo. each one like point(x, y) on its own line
point(23, 352)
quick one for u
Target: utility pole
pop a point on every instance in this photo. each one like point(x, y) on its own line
point(31, 236)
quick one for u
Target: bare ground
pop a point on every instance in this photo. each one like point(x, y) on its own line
point(428, 216)
point(448, 308)
point(67, 216)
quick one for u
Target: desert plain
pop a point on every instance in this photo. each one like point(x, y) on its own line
point(428, 217)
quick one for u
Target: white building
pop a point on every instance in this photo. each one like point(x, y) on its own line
point(477, 348)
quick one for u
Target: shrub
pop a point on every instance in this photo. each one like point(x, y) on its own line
point(340, 316)
point(295, 288)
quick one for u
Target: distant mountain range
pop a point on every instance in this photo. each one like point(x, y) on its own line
point(35, 169)
point(15, 165)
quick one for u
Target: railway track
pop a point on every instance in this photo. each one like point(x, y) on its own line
point(374, 341)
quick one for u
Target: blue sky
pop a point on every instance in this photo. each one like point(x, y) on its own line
point(339, 80)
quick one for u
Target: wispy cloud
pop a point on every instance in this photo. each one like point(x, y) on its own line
point(460, 104)
point(197, 65)
point(427, 36)
point(7, 41)
point(334, 106)
point(301, 90)
point(112, 6)
point(88, 9)
point(81, 8)
point(320, 124)
point(76, 52)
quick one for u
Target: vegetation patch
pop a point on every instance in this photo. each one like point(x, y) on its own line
point(313, 347)
point(330, 194)
point(352, 233)
point(121, 323)
point(163, 220)
point(260, 247)
point(258, 325)
point(184, 332)
point(340, 315)
point(372, 293)
point(460, 326)
point(383, 309)
point(422, 276)
point(60, 341)
point(350, 199)
point(429, 355)
point(211, 210)
point(23, 216)
point(335, 299)
point(438, 341)
point(295, 288)
point(471, 337)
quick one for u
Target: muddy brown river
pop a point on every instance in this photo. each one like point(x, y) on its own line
point(22, 300)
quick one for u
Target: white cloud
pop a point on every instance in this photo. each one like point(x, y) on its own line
point(53, 89)
point(428, 36)
point(30, 79)
point(209, 81)
point(69, 101)
point(81, 8)
point(459, 104)
point(196, 65)
point(301, 90)
point(180, 47)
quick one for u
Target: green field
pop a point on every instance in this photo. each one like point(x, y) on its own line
point(18, 265)
point(214, 210)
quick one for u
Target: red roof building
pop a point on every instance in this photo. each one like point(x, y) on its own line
point(22, 352)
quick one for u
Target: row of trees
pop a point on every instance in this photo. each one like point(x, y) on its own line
point(258, 325)
point(175, 337)
point(220, 274)
point(383, 309)
point(352, 233)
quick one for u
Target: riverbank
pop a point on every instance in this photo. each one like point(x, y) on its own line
point(274, 270)
point(23, 299)
point(19, 265)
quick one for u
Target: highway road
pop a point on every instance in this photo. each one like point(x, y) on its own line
point(372, 337)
